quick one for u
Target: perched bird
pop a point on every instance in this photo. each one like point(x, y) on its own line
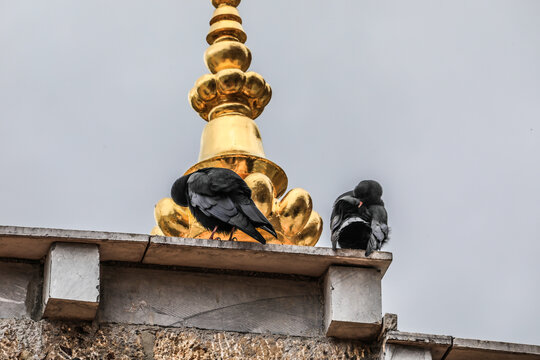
point(359, 219)
point(349, 225)
point(221, 201)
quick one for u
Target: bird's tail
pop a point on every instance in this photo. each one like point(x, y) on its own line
point(372, 245)
point(379, 236)
point(334, 238)
point(255, 234)
point(269, 229)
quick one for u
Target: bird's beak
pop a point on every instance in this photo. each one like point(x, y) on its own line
point(360, 204)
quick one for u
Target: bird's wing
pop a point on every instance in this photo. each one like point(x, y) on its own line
point(253, 213)
point(221, 208)
point(379, 229)
point(339, 211)
point(379, 236)
point(212, 181)
point(336, 218)
point(211, 203)
point(226, 181)
point(242, 222)
point(216, 196)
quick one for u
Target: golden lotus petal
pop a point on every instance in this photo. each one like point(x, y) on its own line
point(294, 211)
point(262, 192)
point(172, 219)
point(311, 233)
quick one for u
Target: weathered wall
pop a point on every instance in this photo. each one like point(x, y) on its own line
point(19, 289)
point(255, 304)
point(158, 313)
point(27, 339)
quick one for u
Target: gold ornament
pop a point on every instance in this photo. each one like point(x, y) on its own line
point(229, 99)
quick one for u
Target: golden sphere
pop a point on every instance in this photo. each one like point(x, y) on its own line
point(255, 85)
point(173, 220)
point(196, 102)
point(294, 211)
point(206, 87)
point(230, 81)
point(227, 55)
point(262, 192)
point(267, 95)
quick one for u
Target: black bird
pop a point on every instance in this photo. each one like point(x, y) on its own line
point(349, 225)
point(359, 219)
point(221, 201)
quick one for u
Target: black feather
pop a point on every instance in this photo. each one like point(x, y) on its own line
point(219, 197)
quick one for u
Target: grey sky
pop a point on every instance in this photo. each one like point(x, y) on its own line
point(438, 100)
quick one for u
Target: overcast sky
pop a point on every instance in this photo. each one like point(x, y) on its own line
point(438, 100)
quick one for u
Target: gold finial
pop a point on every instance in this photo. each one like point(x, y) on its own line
point(229, 89)
point(229, 99)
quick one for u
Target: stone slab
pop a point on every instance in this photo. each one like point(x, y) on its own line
point(282, 259)
point(71, 281)
point(352, 303)
point(252, 304)
point(400, 352)
point(34, 243)
point(464, 349)
point(437, 344)
point(15, 281)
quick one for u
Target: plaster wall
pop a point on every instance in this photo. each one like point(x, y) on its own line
point(211, 300)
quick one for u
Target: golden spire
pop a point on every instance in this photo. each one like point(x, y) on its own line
point(229, 99)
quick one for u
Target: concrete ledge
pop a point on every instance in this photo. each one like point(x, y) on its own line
point(281, 259)
point(437, 344)
point(464, 349)
point(34, 243)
